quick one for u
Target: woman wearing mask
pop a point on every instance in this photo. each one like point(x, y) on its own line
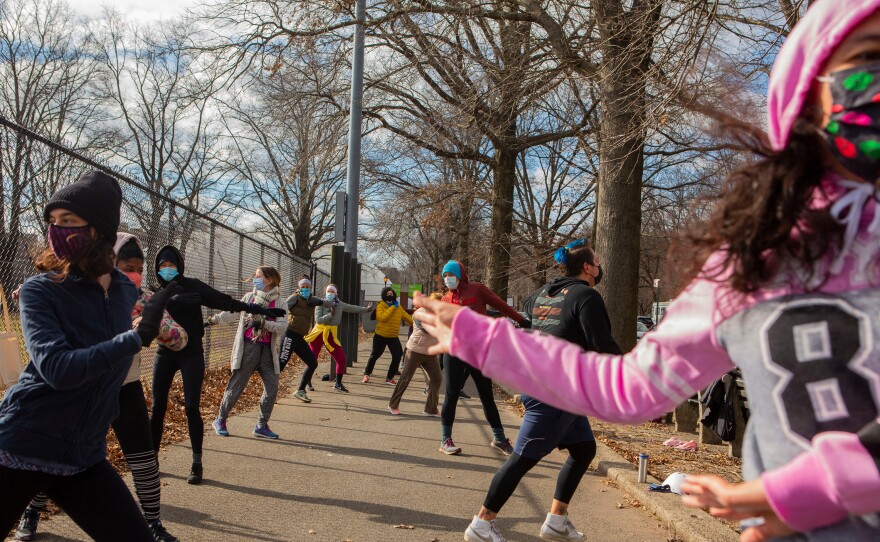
point(326, 331)
point(476, 296)
point(76, 321)
point(132, 426)
point(417, 356)
point(300, 307)
point(389, 315)
point(190, 360)
point(255, 350)
point(787, 287)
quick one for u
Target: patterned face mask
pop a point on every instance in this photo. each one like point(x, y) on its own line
point(68, 244)
point(853, 131)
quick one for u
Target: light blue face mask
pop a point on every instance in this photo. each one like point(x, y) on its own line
point(259, 283)
point(168, 273)
point(331, 297)
point(305, 292)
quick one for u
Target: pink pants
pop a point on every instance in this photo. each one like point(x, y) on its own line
point(337, 354)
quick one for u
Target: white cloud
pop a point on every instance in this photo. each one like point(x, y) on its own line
point(144, 10)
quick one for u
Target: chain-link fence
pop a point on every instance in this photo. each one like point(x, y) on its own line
point(33, 167)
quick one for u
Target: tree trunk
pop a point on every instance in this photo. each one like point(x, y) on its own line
point(501, 226)
point(627, 39)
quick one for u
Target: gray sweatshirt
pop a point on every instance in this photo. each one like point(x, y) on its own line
point(333, 316)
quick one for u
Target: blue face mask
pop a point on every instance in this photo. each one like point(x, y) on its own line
point(259, 283)
point(305, 292)
point(331, 297)
point(168, 273)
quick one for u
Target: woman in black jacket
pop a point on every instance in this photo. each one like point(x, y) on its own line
point(76, 322)
point(190, 361)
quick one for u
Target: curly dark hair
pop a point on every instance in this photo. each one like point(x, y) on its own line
point(763, 219)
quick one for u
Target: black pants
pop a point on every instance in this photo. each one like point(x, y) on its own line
point(96, 499)
point(379, 344)
point(291, 344)
point(192, 369)
point(454, 373)
point(509, 475)
point(132, 428)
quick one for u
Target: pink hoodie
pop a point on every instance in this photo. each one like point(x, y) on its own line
point(810, 359)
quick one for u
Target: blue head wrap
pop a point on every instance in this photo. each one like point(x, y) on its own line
point(561, 254)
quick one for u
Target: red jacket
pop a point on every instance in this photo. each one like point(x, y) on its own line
point(476, 296)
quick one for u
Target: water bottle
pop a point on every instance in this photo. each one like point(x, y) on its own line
point(643, 468)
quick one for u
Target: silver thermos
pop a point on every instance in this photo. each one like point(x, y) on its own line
point(643, 468)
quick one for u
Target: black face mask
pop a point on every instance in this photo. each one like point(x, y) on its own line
point(390, 298)
point(598, 278)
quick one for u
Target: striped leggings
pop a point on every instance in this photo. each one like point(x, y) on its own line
point(132, 429)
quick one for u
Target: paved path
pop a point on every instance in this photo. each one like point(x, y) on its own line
point(345, 469)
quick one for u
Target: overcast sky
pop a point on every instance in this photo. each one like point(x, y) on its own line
point(135, 9)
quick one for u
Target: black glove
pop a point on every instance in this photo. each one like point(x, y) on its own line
point(154, 308)
point(253, 308)
point(526, 324)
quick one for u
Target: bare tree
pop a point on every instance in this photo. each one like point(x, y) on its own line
point(45, 76)
point(290, 148)
point(160, 101)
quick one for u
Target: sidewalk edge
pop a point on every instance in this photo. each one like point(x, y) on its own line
point(686, 524)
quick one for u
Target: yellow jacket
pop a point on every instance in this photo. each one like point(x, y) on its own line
point(388, 319)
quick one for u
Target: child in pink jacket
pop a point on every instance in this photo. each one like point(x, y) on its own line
point(788, 289)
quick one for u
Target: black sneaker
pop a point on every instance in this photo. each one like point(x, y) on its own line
point(195, 474)
point(309, 387)
point(340, 388)
point(502, 446)
point(160, 534)
point(27, 527)
point(463, 395)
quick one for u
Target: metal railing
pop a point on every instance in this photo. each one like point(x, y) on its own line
point(32, 167)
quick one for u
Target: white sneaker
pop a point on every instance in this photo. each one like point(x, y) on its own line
point(481, 530)
point(560, 528)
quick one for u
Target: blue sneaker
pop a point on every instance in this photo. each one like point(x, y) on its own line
point(220, 427)
point(264, 432)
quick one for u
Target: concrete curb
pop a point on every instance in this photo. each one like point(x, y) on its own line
point(687, 524)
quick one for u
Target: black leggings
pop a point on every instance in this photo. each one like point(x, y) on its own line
point(454, 373)
point(509, 475)
point(132, 428)
point(291, 344)
point(379, 344)
point(192, 369)
point(96, 499)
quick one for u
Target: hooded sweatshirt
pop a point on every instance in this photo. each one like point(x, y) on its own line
point(171, 334)
point(810, 353)
point(571, 309)
point(476, 296)
point(189, 313)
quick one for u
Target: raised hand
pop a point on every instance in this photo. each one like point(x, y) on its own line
point(154, 309)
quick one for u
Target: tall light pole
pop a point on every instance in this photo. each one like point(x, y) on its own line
point(656, 301)
point(354, 131)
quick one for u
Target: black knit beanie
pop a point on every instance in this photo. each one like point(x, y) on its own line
point(96, 198)
point(168, 255)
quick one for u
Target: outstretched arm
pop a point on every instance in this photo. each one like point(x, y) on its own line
point(668, 365)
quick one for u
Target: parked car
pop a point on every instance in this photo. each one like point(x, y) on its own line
point(641, 329)
point(647, 320)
